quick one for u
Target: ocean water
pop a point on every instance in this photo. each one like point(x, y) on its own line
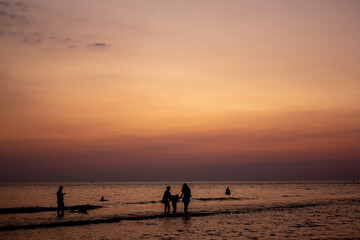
point(254, 210)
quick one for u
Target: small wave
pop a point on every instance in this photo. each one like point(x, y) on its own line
point(146, 202)
point(286, 196)
point(221, 199)
point(46, 209)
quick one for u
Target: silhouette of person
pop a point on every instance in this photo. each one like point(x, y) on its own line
point(102, 199)
point(227, 191)
point(174, 199)
point(165, 199)
point(60, 201)
point(185, 195)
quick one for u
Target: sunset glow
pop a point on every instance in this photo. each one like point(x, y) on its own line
point(105, 86)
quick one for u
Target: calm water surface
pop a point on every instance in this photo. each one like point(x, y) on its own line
point(254, 210)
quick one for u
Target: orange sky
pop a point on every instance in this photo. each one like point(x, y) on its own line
point(158, 83)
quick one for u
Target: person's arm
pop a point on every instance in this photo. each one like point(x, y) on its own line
point(182, 193)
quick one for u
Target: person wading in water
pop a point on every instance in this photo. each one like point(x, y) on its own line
point(165, 199)
point(60, 201)
point(185, 195)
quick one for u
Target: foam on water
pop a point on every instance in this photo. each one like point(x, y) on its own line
point(45, 209)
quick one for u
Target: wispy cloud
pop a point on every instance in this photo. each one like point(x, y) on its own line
point(18, 23)
point(13, 10)
point(20, 20)
point(13, 19)
point(98, 45)
point(4, 4)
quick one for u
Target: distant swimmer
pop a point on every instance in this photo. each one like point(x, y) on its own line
point(102, 199)
point(227, 191)
point(60, 201)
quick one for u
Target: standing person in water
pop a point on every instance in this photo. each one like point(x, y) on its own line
point(185, 195)
point(166, 199)
point(227, 191)
point(60, 201)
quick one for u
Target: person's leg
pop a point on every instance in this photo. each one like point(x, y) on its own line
point(62, 209)
point(167, 207)
point(186, 205)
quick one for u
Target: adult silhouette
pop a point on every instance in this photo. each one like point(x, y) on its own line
point(165, 199)
point(185, 195)
point(60, 201)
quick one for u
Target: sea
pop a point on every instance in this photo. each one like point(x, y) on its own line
point(133, 210)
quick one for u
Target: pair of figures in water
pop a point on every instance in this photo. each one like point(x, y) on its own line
point(185, 196)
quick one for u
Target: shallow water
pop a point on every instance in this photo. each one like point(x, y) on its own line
point(271, 210)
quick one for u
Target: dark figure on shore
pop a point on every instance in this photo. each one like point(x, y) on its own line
point(166, 199)
point(60, 201)
point(227, 191)
point(185, 195)
point(174, 200)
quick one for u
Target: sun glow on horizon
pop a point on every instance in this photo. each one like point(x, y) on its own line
point(156, 80)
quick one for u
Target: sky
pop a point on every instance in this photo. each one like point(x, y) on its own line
point(159, 90)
